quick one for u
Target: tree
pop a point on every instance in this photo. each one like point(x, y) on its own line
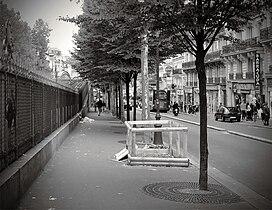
point(23, 51)
point(40, 37)
point(197, 24)
point(115, 29)
point(21, 32)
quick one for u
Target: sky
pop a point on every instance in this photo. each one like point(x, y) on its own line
point(49, 11)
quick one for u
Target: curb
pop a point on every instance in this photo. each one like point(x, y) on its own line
point(250, 196)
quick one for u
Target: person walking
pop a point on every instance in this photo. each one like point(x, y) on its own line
point(99, 106)
point(266, 114)
point(255, 113)
point(248, 111)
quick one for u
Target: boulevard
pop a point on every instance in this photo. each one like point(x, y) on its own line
point(244, 159)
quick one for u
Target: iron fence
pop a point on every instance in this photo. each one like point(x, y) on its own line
point(31, 108)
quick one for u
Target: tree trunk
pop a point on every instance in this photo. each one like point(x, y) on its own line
point(116, 100)
point(135, 74)
point(121, 102)
point(145, 83)
point(203, 174)
point(127, 95)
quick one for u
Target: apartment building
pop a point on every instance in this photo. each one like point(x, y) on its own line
point(247, 64)
point(237, 73)
point(216, 78)
point(173, 78)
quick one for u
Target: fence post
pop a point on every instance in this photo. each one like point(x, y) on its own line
point(33, 114)
point(133, 146)
point(129, 140)
point(171, 139)
point(43, 111)
point(178, 143)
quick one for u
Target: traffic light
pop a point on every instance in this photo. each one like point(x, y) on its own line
point(173, 86)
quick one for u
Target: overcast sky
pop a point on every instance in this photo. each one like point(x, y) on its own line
point(49, 11)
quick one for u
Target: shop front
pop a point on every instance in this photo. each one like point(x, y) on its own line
point(244, 93)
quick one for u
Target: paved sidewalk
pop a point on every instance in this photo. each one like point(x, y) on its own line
point(84, 175)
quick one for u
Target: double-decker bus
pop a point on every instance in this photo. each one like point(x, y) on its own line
point(164, 99)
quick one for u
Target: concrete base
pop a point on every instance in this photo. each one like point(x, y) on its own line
point(142, 152)
point(158, 161)
point(17, 178)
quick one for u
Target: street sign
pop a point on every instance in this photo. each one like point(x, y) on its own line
point(257, 69)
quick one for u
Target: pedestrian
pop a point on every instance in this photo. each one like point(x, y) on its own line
point(99, 105)
point(95, 106)
point(260, 113)
point(248, 111)
point(220, 106)
point(266, 114)
point(103, 106)
point(255, 113)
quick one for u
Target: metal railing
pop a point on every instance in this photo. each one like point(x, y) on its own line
point(30, 110)
point(176, 142)
point(242, 45)
point(266, 34)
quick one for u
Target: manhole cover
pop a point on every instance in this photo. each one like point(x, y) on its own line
point(188, 192)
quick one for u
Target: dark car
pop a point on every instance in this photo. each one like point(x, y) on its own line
point(228, 113)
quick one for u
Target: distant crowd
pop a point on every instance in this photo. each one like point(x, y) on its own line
point(254, 111)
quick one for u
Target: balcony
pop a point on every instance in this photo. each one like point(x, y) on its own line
point(189, 64)
point(177, 71)
point(216, 80)
point(266, 34)
point(213, 55)
point(239, 76)
point(243, 45)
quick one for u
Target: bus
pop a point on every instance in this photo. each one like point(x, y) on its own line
point(164, 98)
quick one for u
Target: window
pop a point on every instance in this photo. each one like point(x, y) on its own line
point(249, 32)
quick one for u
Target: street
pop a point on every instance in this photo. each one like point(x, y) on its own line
point(246, 160)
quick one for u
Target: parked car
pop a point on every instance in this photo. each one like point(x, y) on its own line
point(228, 113)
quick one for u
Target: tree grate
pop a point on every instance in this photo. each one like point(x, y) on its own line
point(188, 192)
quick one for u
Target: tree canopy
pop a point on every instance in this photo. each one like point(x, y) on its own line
point(40, 37)
point(25, 40)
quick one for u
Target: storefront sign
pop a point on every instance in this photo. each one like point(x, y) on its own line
point(257, 69)
point(244, 86)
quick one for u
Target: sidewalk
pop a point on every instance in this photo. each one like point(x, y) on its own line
point(84, 175)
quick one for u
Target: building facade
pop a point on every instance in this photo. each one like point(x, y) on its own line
point(237, 73)
point(247, 64)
